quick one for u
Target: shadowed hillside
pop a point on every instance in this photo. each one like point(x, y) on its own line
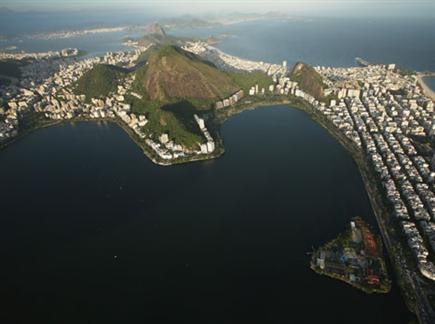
point(172, 74)
point(308, 79)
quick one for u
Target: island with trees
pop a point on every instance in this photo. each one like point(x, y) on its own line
point(354, 257)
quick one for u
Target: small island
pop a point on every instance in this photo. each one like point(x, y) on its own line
point(355, 257)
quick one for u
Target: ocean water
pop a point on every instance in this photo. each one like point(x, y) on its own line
point(430, 82)
point(93, 44)
point(19, 25)
point(331, 42)
point(318, 41)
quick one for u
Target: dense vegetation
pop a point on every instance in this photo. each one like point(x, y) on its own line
point(98, 82)
point(145, 56)
point(404, 71)
point(246, 80)
point(174, 85)
point(308, 79)
point(172, 74)
point(344, 244)
point(175, 119)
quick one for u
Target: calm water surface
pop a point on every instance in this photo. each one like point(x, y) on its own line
point(318, 41)
point(92, 231)
point(430, 82)
point(93, 44)
point(331, 42)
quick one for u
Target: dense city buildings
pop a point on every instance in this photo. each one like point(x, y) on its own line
point(384, 113)
point(380, 110)
point(46, 87)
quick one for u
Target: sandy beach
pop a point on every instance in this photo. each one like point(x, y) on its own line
point(426, 89)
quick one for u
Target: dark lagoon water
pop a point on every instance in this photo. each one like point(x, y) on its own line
point(92, 232)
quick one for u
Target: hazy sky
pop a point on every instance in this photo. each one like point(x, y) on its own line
point(307, 7)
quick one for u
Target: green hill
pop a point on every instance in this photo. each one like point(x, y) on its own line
point(172, 74)
point(308, 79)
point(99, 81)
point(175, 84)
point(155, 29)
point(156, 35)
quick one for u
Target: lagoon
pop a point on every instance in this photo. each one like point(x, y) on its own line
point(92, 231)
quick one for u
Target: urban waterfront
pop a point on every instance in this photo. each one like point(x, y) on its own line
point(93, 231)
point(329, 41)
point(115, 237)
point(311, 40)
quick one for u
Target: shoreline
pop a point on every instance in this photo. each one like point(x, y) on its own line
point(340, 243)
point(148, 152)
point(404, 270)
point(428, 92)
point(403, 267)
point(340, 278)
point(393, 244)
